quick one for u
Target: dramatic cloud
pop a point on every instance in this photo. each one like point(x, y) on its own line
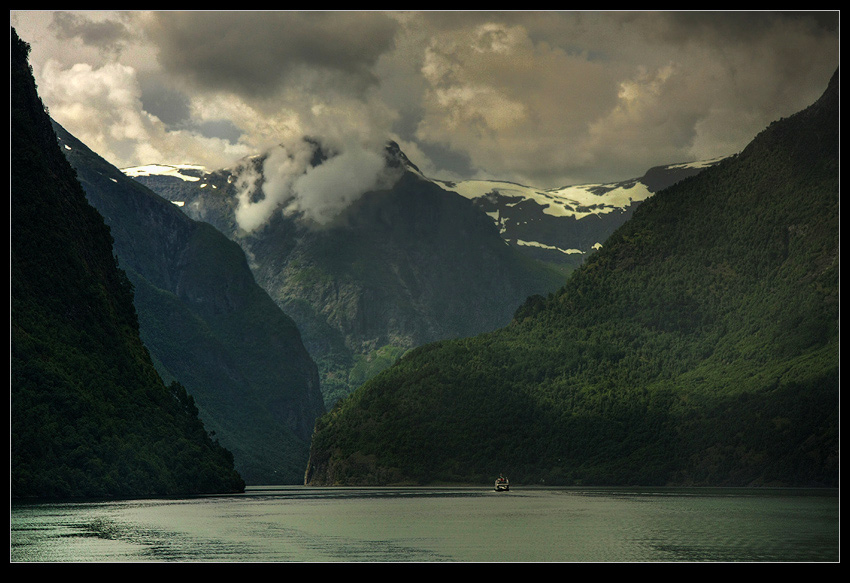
point(544, 98)
point(108, 35)
point(516, 108)
point(103, 107)
point(257, 53)
point(323, 191)
point(562, 97)
point(318, 193)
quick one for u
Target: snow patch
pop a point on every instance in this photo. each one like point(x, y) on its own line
point(699, 164)
point(175, 171)
point(550, 247)
point(576, 201)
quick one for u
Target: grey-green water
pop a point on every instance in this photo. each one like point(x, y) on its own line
point(437, 525)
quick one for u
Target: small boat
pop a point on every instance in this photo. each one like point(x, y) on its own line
point(502, 484)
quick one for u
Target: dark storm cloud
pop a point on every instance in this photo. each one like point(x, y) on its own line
point(254, 53)
point(109, 35)
point(744, 26)
point(169, 105)
point(173, 108)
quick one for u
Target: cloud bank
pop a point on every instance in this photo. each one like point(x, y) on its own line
point(543, 98)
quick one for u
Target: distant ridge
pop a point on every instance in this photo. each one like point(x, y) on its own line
point(560, 225)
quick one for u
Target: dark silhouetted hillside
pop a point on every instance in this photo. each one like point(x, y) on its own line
point(90, 416)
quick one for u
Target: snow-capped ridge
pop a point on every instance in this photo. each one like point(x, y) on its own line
point(579, 200)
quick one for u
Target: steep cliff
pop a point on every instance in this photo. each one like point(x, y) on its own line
point(90, 416)
point(207, 322)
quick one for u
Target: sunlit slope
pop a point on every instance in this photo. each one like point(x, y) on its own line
point(699, 346)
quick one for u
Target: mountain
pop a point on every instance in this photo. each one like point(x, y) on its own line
point(564, 225)
point(206, 322)
point(89, 415)
point(560, 226)
point(404, 264)
point(699, 346)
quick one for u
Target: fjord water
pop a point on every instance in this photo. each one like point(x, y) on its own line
point(302, 524)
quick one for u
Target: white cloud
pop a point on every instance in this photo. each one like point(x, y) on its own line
point(101, 106)
point(325, 190)
point(291, 184)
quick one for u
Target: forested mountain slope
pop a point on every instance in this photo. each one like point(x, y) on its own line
point(699, 346)
point(207, 323)
point(90, 416)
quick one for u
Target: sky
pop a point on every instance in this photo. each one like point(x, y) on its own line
point(543, 98)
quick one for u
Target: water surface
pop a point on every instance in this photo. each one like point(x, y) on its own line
point(302, 524)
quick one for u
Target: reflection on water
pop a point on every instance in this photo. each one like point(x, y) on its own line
point(301, 524)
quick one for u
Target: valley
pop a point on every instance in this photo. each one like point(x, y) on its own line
point(322, 312)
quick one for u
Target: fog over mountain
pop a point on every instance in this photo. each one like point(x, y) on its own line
point(319, 192)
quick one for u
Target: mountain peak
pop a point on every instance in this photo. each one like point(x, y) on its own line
point(397, 158)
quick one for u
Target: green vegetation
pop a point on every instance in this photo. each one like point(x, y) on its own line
point(90, 417)
point(367, 366)
point(698, 347)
